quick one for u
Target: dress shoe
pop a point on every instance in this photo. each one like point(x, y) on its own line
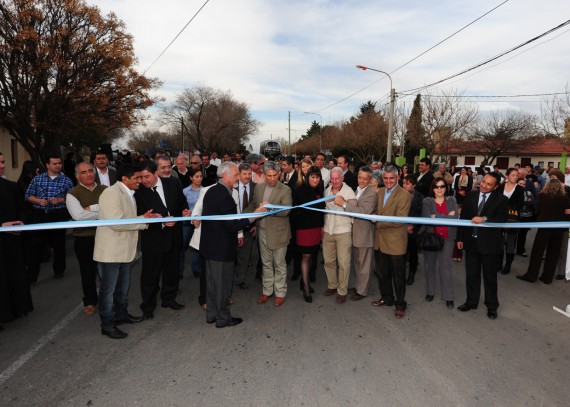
point(210, 321)
point(523, 254)
point(340, 299)
point(523, 277)
point(466, 307)
point(450, 304)
point(295, 277)
point(411, 277)
point(400, 313)
point(357, 297)
point(148, 315)
point(329, 291)
point(130, 319)
point(279, 301)
point(381, 302)
point(173, 305)
point(233, 322)
point(89, 309)
point(492, 314)
point(352, 290)
point(263, 299)
point(308, 298)
point(243, 286)
point(114, 333)
point(560, 277)
point(429, 298)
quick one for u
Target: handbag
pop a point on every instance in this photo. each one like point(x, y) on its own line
point(430, 242)
point(512, 215)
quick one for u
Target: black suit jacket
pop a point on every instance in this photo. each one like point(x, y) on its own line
point(489, 240)
point(218, 239)
point(159, 239)
point(351, 180)
point(424, 183)
point(112, 175)
point(292, 183)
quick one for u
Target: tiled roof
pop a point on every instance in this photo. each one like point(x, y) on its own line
point(534, 146)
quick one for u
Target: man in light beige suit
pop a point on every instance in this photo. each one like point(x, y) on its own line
point(391, 242)
point(273, 232)
point(362, 232)
point(115, 248)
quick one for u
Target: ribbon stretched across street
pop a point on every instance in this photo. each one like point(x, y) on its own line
point(277, 209)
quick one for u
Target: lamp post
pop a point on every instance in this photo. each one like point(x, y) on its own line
point(320, 130)
point(391, 114)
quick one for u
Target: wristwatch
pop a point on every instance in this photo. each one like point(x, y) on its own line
point(344, 206)
point(484, 219)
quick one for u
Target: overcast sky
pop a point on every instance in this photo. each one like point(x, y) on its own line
point(288, 55)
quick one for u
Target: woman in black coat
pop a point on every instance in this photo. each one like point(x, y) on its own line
point(515, 195)
point(308, 224)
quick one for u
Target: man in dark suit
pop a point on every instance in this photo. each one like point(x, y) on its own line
point(349, 177)
point(105, 174)
point(483, 245)
point(218, 245)
point(161, 242)
point(288, 174)
point(424, 177)
point(248, 250)
point(209, 171)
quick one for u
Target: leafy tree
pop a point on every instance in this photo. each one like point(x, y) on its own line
point(148, 140)
point(64, 67)
point(415, 131)
point(213, 120)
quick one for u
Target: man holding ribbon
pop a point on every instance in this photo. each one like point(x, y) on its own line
point(483, 246)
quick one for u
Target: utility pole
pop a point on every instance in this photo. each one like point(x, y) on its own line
point(289, 128)
point(391, 125)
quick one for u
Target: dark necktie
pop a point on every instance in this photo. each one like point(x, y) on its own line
point(479, 210)
point(245, 201)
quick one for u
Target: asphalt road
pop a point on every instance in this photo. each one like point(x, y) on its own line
point(299, 354)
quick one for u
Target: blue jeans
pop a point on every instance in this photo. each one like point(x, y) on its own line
point(113, 291)
point(187, 233)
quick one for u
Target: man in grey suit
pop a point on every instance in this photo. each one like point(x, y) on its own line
point(362, 232)
point(274, 233)
point(105, 174)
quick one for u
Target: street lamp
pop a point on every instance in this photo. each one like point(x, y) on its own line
point(391, 115)
point(320, 130)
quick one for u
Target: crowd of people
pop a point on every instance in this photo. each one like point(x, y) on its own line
point(230, 249)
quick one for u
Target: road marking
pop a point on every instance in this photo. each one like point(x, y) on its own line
point(13, 368)
point(562, 312)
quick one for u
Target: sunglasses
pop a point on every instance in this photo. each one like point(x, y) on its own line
point(439, 187)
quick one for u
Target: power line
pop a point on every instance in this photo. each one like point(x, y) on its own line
point(176, 37)
point(448, 37)
point(490, 96)
point(413, 59)
point(490, 59)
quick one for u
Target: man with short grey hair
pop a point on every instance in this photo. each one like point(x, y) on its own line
point(337, 238)
point(274, 233)
point(256, 161)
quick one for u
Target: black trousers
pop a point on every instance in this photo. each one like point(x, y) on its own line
point(83, 247)
point(412, 253)
point(391, 271)
point(488, 264)
point(551, 241)
point(39, 238)
point(155, 266)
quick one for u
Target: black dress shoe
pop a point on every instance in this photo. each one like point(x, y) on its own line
point(114, 333)
point(243, 286)
point(130, 319)
point(466, 307)
point(523, 277)
point(210, 321)
point(560, 277)
point(233, 322)
point(450, 304)
point(308, 298)
point(492, 314)
point(429, 298)
point(148, 315)
point(173, 305)
point(357, 297)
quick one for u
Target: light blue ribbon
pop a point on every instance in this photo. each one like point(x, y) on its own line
point(279, 208)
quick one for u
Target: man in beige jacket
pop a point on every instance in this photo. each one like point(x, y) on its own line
point(115, 248)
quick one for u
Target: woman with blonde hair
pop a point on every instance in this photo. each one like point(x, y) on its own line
point(304, 166)
point(552, 205)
